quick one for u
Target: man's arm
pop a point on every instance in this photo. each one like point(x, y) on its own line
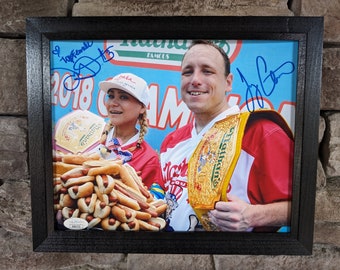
point(237, 215)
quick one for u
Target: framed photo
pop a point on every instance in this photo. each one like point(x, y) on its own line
point(276, 63)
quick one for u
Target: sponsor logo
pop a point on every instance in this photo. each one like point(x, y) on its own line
point(216, 173)
point(160, 54)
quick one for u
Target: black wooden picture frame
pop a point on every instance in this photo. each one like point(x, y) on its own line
point(299, 241)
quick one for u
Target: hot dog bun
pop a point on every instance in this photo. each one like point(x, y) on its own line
point(87, 205)
point(101, 197)
point(105, 183)
point(127, 178)
point(111, 169)
point(127, 190)
point(130, 226)
point(81, 191)
point(57, 156)
point(153, 224)
point(78, 181)
point(123, 214)
point(99, 163)
point(73, 173)
point(138, 180)
point(58, 189)
point(80, 158)
point(110, 224)
point(101, 210)
point(125, 200)
point(67, 201)
point(160, 206)
point(68, 212)
point(60, 167)
point(113, 197)
point(56, 181)
point(92, 221)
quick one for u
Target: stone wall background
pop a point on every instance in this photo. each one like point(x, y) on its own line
point(15, 213)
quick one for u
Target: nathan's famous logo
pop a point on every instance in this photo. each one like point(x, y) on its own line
point(222, 151)
point(92, 131)
point(161, 54)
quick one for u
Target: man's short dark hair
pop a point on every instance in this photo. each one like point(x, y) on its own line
point(221, 51)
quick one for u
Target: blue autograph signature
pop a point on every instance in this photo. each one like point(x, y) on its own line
point(84, 67)
point(74, 53)
point(268, 80)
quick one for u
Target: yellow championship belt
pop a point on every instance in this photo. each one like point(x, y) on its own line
point(214, 159)
point(212, 164)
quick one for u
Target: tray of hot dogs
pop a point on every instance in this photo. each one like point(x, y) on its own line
point(91, 193)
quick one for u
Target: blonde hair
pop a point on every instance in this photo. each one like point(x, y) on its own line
point(142, 119)
point(143, 122)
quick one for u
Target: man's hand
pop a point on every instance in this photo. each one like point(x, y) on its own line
point(231, 215)
point(237, 215)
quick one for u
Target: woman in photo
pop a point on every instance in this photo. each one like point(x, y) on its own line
point(126, 103)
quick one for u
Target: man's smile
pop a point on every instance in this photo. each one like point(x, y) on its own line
point(196, 93)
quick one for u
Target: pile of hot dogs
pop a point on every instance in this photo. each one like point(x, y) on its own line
point(107, 194)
